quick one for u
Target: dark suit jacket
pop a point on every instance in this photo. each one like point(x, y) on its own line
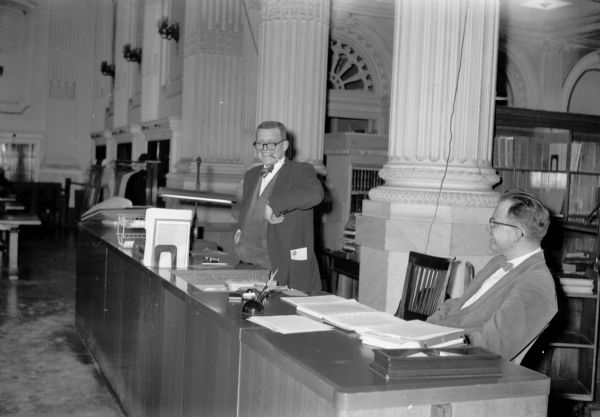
point(290, 243)
point(135, 189)
point(510, 314)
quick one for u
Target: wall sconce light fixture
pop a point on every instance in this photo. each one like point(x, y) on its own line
point(132, 54)
point(107, 69)
point(168, 31)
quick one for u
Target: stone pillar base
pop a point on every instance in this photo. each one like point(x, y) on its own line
point(388, 231)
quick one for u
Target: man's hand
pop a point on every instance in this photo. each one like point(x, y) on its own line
point(271, 217)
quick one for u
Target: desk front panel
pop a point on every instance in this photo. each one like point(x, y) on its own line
point(327, 374)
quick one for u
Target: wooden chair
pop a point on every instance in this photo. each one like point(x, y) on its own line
point(469, 274)
point(91, 189)
point(424, 286)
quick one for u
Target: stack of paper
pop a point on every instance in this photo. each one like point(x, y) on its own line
point(577, 285)
point(376, 328)
point(412, 334)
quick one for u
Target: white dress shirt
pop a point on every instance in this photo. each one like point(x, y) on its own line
point(497, 276)
point(267, 178)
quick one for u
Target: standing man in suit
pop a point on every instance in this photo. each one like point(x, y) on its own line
point(276, 229)
point(513, 298)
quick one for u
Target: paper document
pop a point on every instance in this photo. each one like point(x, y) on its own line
point(289, 324)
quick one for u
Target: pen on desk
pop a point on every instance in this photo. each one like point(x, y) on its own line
point(263, 293)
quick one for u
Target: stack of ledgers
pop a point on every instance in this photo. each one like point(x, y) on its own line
point(376, 328)
point(577, 285)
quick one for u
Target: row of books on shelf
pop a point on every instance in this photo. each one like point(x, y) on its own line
point(550, 187)
point(583, 196)
point(524, 152)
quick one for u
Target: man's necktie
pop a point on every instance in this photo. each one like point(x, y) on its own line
point(507, 266)
point(266, 169)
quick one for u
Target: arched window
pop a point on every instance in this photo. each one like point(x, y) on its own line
point(347, 69)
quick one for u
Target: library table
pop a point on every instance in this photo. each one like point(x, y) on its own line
point(169, 349)
point(9, 225)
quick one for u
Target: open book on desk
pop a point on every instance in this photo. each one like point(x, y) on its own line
point(376, 328)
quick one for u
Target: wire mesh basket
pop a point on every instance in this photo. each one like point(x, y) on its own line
point(129, 228)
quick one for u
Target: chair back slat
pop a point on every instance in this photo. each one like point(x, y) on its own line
point(424, 285)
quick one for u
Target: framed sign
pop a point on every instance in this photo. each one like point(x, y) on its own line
point(167, 238)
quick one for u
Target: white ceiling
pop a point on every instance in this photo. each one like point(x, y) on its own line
point(575, 13)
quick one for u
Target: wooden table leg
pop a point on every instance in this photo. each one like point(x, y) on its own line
point(13, 253)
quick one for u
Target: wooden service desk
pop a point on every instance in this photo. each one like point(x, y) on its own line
point(9, 227)
point(168, 349)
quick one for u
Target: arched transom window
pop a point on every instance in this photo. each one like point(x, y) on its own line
point(347, 69)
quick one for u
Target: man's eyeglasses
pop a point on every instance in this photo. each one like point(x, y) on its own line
point(268, 146)
point(493, 223)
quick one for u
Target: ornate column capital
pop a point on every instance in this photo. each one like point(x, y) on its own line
point(481, 199)
point(316, 11)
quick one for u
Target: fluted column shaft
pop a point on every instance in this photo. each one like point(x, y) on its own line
point(437, 196)
point(442, 100)
point(213, 95)
point(150, 63)
point(292, 71)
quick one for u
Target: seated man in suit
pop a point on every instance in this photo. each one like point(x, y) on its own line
point(513, 298)
point(276, 228)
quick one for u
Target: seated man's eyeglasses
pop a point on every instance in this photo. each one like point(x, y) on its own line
point(268, 146)
point(493, 223)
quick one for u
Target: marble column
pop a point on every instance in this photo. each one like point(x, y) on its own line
point(69, 50)
point(292, 70)
point(437, 195)
point(151, 62)
point(213, 100)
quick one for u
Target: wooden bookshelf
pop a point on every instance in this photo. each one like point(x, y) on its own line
point(556, 156)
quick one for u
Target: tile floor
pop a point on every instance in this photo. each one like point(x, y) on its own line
point(44, 369)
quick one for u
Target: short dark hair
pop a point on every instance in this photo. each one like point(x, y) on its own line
point(270, 124)
point(527, 210)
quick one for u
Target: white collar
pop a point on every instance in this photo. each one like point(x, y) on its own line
point(520, 259)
